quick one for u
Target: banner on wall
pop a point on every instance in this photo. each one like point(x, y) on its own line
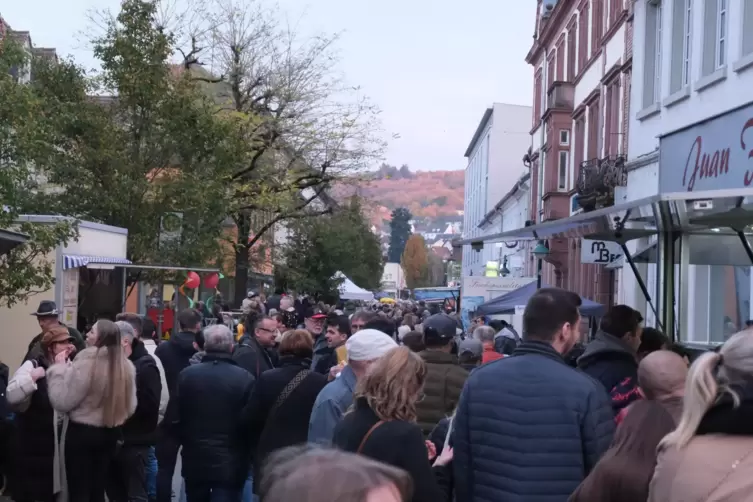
point(70, 297)
point(478, 290)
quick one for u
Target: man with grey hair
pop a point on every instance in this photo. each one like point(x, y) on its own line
point(486, 335)
point(127, 480)
point(213, 410)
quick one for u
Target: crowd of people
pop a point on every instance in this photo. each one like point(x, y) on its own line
point(392, 403)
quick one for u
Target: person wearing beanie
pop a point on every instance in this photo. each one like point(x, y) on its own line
point(363, 348)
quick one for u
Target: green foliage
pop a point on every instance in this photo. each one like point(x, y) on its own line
point(415, 262)
point(320, 247)
point(27, 139)
point(148, 148)
point(399, 233)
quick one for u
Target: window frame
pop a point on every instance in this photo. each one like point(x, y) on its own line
point(562, 175)
point(567, 134)
point(721, 34)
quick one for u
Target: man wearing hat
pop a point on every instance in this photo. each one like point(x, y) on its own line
point(363, 348)
point(445, 377)
point(47, 317)
point(313, 321)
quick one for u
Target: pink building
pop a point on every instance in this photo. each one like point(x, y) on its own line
point(582, 59)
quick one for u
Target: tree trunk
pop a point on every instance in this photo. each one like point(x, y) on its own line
point(241, 259)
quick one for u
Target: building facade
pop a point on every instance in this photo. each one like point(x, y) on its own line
point(582, 60)
point(509, 213)
point(494, 166)
point(691, 130)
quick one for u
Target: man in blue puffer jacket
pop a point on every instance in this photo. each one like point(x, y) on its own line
point(529, 428)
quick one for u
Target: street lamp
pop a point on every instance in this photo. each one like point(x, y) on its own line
point(541, 251)
point(504, 271)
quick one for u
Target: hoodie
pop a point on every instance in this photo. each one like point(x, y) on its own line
point(197, 358)
point(175, 355)
point(612, 362)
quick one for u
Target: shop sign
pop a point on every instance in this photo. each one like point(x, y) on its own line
point(70, 296)
point(712, 155)
point(599, 252)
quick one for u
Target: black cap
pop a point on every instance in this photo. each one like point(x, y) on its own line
point(439, 329)
point(314, 313)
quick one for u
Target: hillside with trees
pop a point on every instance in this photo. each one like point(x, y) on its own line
point(426, 194)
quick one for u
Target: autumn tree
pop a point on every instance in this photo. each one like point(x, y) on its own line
point(303, 128)
point(319, 247)
point(148, 152)
point(400, 231)
point(415, 262)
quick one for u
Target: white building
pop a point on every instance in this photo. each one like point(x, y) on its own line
point(693, 88)
point(509, 213)
point(494, 165)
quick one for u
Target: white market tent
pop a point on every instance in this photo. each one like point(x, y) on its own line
point(350, 291)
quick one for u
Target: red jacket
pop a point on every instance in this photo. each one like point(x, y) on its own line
point(490, 354)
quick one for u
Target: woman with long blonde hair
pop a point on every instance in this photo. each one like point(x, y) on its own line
point(382, 423)
point(97, 391)
point(709, 456)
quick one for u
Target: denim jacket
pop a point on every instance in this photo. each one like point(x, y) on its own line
point(331, 403)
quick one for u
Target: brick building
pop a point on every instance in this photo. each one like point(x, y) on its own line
point(582, 59)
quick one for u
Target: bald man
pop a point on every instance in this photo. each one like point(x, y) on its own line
point(661, 377)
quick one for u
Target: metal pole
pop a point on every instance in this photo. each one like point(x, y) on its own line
point(538, 273)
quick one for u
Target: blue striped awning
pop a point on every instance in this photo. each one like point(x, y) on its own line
point(76, 261)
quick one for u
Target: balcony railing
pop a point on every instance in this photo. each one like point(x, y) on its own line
point(597, 179)
point(561, 96)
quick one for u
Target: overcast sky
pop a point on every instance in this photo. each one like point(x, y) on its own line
point(432, 66)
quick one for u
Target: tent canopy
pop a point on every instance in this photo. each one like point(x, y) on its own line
point(350, 291)
point(506, 303)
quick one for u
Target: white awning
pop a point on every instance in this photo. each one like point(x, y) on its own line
point(350, 291)
point(76, 261)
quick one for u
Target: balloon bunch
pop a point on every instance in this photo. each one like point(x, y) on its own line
point(193, 281)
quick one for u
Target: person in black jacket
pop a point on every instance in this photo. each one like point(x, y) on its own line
point(337, 333)
point(213, 411)
point(611, 358)
point(175, 355)
point(255, 351)
point(383, 426)
point(128, 473)
point(47, 316)
point(284, 397)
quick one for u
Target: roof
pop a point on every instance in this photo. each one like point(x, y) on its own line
point(10, 239)
point(479, 130)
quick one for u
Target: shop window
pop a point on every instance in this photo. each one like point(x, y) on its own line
point(653, 53)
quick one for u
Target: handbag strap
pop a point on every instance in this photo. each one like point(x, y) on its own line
point(368, 434)
point(289, 388)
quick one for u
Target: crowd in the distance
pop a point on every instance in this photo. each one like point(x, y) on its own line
point(382, 404)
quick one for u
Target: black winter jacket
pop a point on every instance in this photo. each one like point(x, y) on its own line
point(612, 362)
point(252, 357)
point(174, 355)
point(529, 428)
point(213, 413)
point(397, 443)
point(141, 428)
point(288, 425)
point(33, 445)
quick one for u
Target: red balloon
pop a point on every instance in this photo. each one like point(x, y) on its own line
point(192, 280)
point(211, 281)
